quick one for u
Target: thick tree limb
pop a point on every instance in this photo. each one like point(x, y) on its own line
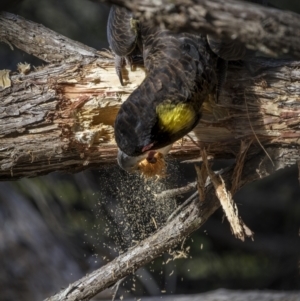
point(61, 117)
point(41, 42)
point(269, 30)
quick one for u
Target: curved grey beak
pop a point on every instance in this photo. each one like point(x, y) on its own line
point(128, 163)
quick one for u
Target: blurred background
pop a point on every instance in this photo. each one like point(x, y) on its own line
point(56, 228)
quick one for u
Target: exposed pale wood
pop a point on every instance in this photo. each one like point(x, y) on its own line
point(265, 107)
point(61, 118)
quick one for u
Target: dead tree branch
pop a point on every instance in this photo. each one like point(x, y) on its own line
point(188, 220)
point(61, 117)
point(269, 30)
point(41, 42)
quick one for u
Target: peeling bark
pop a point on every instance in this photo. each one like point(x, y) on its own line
point(61, 117)
point(271, 31)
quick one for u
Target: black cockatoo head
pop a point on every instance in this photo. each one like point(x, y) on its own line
point(149, 124)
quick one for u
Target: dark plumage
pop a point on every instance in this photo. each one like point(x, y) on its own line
point(180, 71)
point(166, 106)
point(123, 36)
point(183, 70)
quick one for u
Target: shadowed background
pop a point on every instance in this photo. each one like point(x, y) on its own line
point(56, 228)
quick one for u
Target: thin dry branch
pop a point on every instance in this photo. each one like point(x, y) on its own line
point(188, 220)
point(238, 227)
point(269, 30)
point(176, 191)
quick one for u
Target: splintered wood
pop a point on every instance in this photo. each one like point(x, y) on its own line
point(5, 81)
point(238, 227)
point(61, 116)
point(201, 180)
point(240, 160)
point(157, 169)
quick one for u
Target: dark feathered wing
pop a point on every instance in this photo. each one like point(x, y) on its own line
point(166, 106)
point(122, 35)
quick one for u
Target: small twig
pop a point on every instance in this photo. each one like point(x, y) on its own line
point(240, 161)
point(238, 227)
point(202, 176)
point(116, 287)
point(183, 205)
point(175, 192)
point(193, 141)
point(154, 222)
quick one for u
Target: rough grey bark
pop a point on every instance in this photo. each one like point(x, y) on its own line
point(61, 118)
point(41, 42)
point(269, 30)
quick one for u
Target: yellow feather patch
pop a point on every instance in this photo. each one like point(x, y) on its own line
point(173, 118)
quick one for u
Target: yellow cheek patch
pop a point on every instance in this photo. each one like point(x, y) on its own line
point(173, 118)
